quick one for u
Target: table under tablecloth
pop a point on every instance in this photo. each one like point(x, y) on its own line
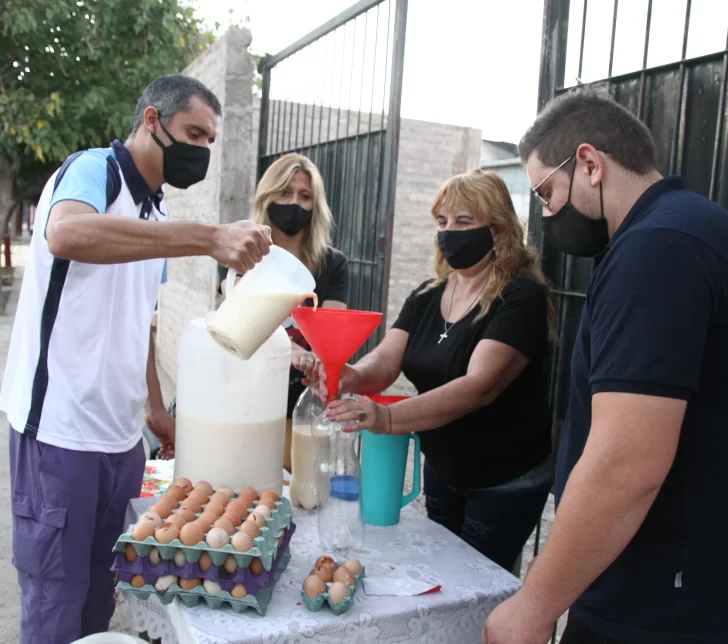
point(416, 548)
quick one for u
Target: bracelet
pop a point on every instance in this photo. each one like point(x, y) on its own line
point(389, 413)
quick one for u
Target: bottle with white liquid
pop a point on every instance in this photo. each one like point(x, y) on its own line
point(304, 450)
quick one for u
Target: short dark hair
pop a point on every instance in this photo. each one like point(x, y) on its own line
point(172, 94)
point(581, 116)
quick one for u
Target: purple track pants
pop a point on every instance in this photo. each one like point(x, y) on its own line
point(68, 511)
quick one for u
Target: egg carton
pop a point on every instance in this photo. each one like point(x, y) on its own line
point(315, 604)
point(279, 519)
point(258, 601)
point(142, 566)
point(264, 547)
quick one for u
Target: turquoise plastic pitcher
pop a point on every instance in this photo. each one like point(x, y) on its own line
point(383, 465)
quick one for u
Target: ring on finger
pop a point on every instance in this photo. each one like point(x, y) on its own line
point(361, 416)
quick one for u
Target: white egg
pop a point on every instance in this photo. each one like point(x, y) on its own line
point(179, 559)
point(262, 510)
point(212, 587)
point(154, 557)
point(217, 538)
point(163, 583)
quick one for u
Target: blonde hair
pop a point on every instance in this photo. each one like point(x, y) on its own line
point(485, 195)
point(317, 237)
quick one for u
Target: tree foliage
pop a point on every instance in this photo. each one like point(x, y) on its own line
point(71, 71)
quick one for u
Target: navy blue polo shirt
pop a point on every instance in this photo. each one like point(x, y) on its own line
point(656, 323)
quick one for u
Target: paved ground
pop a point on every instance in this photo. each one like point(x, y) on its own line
point(9, 603)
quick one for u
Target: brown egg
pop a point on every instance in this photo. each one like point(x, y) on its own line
point(230, 564)
point(187, 514)
point(338, 592)
point(313, 586)
point(268, 502)
point(233, 517)
point(137, 581)
point(270, 493)
point(251, 528)
point(207, 517)
point(258, 519)
point(193, 504)
point(204, 525)
point(227, 491)
point(256, 566)
point(189, 584)
point(215, 507)
point(177, 493)
point(184, 483)
point(353, 565)
point(343, 574)
point(324, 559)
point(199, 495)
point(238, 507)
point(204, 486)
point(221, 498)
point(239, 591)
point(205, 562)
point(242, 542)
point(177, 521)
point(169, 501)
point(161, 509)
point(249, 491)
point(325, 573)
point(166, 533)
point(143, 530)
point(129, 553)
point(225, 525)
point(191, 534)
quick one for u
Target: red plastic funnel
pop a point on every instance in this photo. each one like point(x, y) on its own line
point(335, 335)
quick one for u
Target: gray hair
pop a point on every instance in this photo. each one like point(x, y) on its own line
point(171, 95)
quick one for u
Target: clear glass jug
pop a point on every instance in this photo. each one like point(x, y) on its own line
point(303, 449)
point(338, 487)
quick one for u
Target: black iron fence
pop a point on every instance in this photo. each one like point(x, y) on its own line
point(335, 96)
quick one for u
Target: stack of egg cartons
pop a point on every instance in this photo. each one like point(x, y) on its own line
point(197, 543)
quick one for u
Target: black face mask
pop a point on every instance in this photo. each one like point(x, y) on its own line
point(289, 217)
point(465, 248)
point(572, 232)
point(183, 164)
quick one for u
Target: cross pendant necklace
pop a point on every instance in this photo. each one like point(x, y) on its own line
point(443, 335)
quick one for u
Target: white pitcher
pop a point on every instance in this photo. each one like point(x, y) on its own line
point(260, 302)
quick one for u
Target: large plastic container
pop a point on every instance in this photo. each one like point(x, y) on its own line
point(231, 413)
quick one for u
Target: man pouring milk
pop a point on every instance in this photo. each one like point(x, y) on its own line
point(81, 365)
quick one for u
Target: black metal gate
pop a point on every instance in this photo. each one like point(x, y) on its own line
point(335, 96)
point(683, 103)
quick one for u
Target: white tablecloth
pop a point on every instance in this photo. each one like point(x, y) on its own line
point(416, 548)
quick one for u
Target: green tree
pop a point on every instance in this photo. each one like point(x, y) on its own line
point(71, 72)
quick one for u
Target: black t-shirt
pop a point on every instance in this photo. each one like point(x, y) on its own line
point(656, 323)
point(332, 283)
point(503, 440)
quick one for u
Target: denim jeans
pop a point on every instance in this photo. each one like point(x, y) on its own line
point(575, 633)
point(496, 521)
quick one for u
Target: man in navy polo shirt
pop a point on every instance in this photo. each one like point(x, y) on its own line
point(637, 550)
point(81, 365)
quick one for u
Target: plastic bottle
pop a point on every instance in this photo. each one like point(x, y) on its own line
point(338, 487)
point(303, 449)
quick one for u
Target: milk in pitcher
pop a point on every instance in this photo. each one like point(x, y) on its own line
point(244, 322)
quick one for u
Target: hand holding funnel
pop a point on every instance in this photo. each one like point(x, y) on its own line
point(335, 335)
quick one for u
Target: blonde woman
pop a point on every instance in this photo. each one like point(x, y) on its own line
point(472, 341)
point(290, 198)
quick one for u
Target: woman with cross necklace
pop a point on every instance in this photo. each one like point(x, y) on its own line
point(472, 341)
